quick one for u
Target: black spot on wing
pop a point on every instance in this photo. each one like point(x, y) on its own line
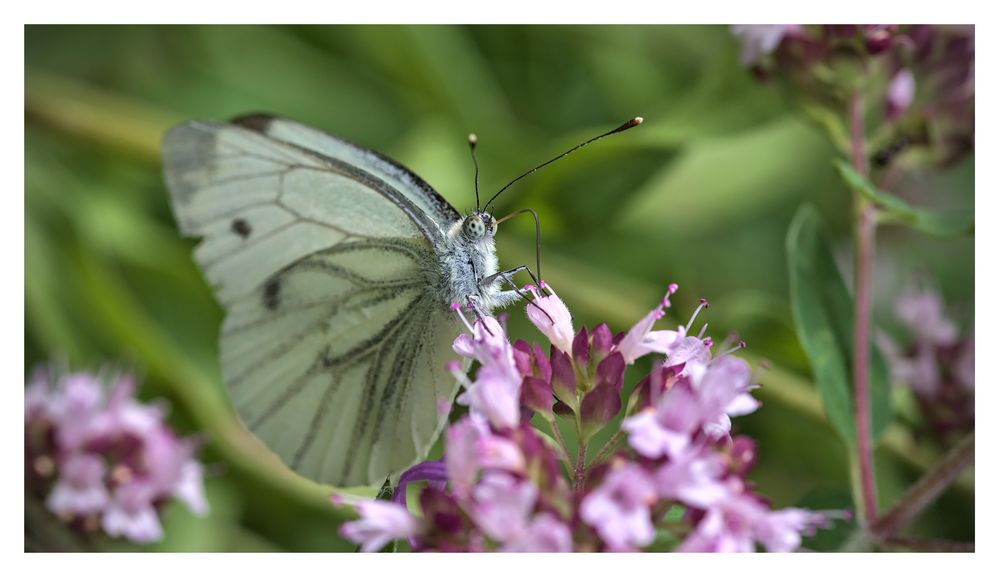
point(257, 122)
point(241, 227)
point(272, 293)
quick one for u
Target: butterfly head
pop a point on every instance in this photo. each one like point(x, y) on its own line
point(479, 225)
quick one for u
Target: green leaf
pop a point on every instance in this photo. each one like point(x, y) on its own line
point(937, 223)
point(823, 315)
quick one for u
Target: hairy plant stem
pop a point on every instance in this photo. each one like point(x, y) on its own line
point(580, 475)
point(866, 223)
point(608, 448)
point(561, 441)
point(926, 489)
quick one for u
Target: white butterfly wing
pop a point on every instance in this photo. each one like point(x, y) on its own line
point(399, 177)
point(334, 344)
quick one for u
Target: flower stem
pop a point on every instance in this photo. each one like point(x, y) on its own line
point(608, 448)
point(561, 441)
point(926, 545)
point(864, 256)
point(580, 466)
point(927, 488)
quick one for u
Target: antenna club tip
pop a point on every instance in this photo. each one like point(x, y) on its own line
point(472, 139)
point(637, 120)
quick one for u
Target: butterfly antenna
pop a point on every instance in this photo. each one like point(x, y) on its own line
point(472, 141)
point(630, 124)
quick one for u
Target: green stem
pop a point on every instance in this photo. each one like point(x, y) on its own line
point(608, 448)
point(561, 441)
point(864, 257)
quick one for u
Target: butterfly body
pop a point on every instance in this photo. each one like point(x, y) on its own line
point(336, 268)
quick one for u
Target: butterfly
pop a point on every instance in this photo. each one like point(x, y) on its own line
point(337, 268)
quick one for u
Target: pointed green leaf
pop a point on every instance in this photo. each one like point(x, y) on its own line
point(937, 223)
point(823, 315)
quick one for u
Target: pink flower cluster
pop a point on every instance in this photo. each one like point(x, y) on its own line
point(504, 485)
point(101, 460)
point(938, 363)
point(923, 74)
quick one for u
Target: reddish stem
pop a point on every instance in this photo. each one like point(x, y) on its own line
point(927, 545)
point(927, 489)
point(864, 247)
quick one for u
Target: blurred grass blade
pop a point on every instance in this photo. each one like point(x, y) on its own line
point(937, 223)
point(823, 315)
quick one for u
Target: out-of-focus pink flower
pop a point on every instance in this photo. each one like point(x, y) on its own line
point(964, 367)
point(723, 391)
point(545, 534)
point(471, 447)
point(900, 93)
point(619, 508)
point(112, 458)
point(923, 313)
point(495, 394)
point(758, 40)
point(666, 429)
point(80, 489)
point(735, 523)
point(502, 504)
point(556, 325)
point(938, 364)
point(693, 478)
point(381, 523)
point(131, 513)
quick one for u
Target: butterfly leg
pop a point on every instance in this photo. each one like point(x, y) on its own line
point(480, 314)
point(505, 296)
point(506, 274)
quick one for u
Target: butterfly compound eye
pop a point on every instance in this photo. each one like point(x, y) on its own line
point(474, 227)
point(490, 224)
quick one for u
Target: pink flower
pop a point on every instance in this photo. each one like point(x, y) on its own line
point(80, 489)
point(487, 340)
point(781, 531)
point(688, 351)
point(693, 478)
point(964, 367)
point(131, 514)
point(502, 504)
point(189, 488)
point(740, 520)
point(901, 91)
point(74, 408)
point(642, 340)
point(545, 534)
point(556, 325)
point(923, 313)
point(472, 447)
point(619, 508)
point(758, 40)
point(667, 428)
point(111, 456)
point(723, 390)
point(381, 522)
point(495, 393)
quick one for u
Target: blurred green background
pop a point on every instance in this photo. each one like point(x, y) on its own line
point(701, 195)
